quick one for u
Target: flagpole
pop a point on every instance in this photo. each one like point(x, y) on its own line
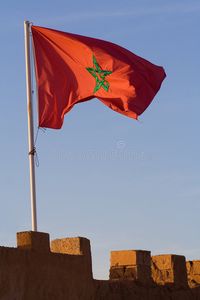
point(30, 126)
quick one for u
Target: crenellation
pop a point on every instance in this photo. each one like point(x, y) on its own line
point(75, 246)
point(131, 264)
point(31, 271)
point(193, 272)
point(32, 240)
point(79, 246)
point(130, 258)
point(169, 269)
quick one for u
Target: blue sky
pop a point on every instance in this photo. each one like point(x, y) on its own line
point(121, 183)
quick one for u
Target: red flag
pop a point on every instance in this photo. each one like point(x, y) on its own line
point(72, 68)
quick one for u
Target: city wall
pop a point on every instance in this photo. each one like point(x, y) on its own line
point(62, 270)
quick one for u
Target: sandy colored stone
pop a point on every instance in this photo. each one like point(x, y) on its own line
point(32, 240)
point(162, 277)
point(196, 267)
point(193, 266)
point(163, 262)
point(140, 273)
point(37, 275)
point(169, 269)
point(79, 246)
point(75, 246)
point(117, 273)
point(193, 272)
point(130, 258)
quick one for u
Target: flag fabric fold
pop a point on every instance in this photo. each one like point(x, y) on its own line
point(72, 68)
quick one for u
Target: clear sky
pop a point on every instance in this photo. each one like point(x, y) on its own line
point(123, 184)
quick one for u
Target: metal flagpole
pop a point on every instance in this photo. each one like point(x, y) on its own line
point(30, 125)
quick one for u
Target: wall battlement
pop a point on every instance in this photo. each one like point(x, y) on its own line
point(62, 270)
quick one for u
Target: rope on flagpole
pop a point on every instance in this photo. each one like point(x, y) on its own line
point(34, 150)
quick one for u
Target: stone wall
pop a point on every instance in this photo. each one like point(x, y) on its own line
point(31, 271)
point(62, 270)
point(193, 271)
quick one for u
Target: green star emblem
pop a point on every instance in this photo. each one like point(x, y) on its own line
point(99, 75)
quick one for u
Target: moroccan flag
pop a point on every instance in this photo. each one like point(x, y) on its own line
point(72, 68)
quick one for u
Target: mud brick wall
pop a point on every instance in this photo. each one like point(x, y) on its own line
point(31, 271)
point(169, 269)
point(193, 272)
point(131, 264)
point(62, 270)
